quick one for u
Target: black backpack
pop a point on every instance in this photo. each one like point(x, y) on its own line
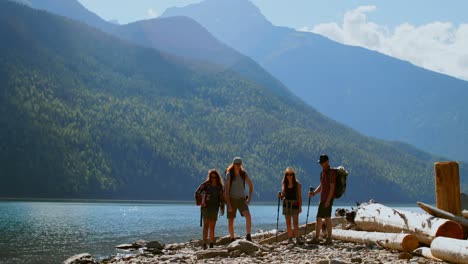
point(340, 184)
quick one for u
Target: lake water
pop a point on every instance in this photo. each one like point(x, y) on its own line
point(50, 232)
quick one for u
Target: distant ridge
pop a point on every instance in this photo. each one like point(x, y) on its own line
point(375, 94)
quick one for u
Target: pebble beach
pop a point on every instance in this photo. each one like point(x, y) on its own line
point(242, 251)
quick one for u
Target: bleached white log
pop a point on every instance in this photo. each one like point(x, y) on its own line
point(425, 252)
point(443, 214)
point(401, 242)
point(310, 227)
point(450, 250)
point(378, 217)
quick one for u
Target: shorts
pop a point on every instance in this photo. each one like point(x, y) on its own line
point(210, 213)
point(237, 204)
point(324, 212)
point(290, 207)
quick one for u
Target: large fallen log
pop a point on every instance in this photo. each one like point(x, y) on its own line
point(432, 210)
point(377, 217)
point(401, 242)
point(310, 227)
point(425, 252)
point(450, 250)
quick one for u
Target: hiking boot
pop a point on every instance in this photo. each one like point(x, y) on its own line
point(328, 242)
point(290, 240)
point(299, 241)
point(248, 238)
point(233, 239)
point(314, 240)
point(211, 245)
point(204, 246)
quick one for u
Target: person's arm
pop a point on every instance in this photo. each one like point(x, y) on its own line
point(299, 198)
point(283, 192)
point(318, 190)
point(227, 191)
point(299, 194)
point(221, 201)
point(249, 182)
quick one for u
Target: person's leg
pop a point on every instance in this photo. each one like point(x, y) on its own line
point(231, 227)
point(212, 232)
point(296, 224)
point(231, 216)
point(329, 229)
point(248, 222)
point(318, 228)
point(288, 225)
point(205, 231)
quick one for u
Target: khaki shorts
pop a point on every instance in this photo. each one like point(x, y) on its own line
point(237, 204)
point(324, 212)
point(290, 207)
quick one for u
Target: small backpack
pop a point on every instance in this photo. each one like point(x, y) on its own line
point(340, 184)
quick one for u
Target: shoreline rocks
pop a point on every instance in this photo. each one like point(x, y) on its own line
point(243, 251)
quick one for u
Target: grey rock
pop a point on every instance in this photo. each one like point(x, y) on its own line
point(212, 253)
point(235, 254)
point(405, 255)
point(84, 258)
point(155, 245)
point(140, 243)
point(356, 260)
point(243, 246)
point(125, 246)
point(337, 261)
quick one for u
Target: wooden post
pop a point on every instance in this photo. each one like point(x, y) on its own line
point(447, 185)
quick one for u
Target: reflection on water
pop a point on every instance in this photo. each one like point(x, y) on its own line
point(50, 232)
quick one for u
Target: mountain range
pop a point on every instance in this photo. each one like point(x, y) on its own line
point(375, 94)
point(90, 115)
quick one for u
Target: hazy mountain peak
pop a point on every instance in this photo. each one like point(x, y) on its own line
point(232, 16)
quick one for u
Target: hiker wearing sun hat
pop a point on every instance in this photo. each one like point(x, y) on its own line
point(236, 177)
point(292, 203)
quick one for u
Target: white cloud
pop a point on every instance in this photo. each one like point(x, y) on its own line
point(151, 13)
point(436, 46)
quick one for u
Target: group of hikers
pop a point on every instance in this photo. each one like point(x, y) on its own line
point(212, 195)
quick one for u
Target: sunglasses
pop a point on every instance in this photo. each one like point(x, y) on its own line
point(289, 174)
point(213, 177)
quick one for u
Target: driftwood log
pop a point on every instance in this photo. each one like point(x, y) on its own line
point(310, 227)
point(450, 250)
point(446, 215)
point(425, 252)
point(401, 242)
point(378, 217)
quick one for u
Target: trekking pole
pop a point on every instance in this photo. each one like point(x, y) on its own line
point(277, 216)
point(311, 189)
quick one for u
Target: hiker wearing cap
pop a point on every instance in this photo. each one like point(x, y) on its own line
point(236, 177)
point(326, 190)
point(292, 203)
point(212, 199)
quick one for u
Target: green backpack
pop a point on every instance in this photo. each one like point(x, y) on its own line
point(340, 184)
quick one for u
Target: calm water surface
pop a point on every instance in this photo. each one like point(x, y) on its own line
point(50, 232)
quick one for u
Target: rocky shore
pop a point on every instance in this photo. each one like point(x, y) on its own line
point(242, 251)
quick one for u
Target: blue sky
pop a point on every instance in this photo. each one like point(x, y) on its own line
point(428, 33)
